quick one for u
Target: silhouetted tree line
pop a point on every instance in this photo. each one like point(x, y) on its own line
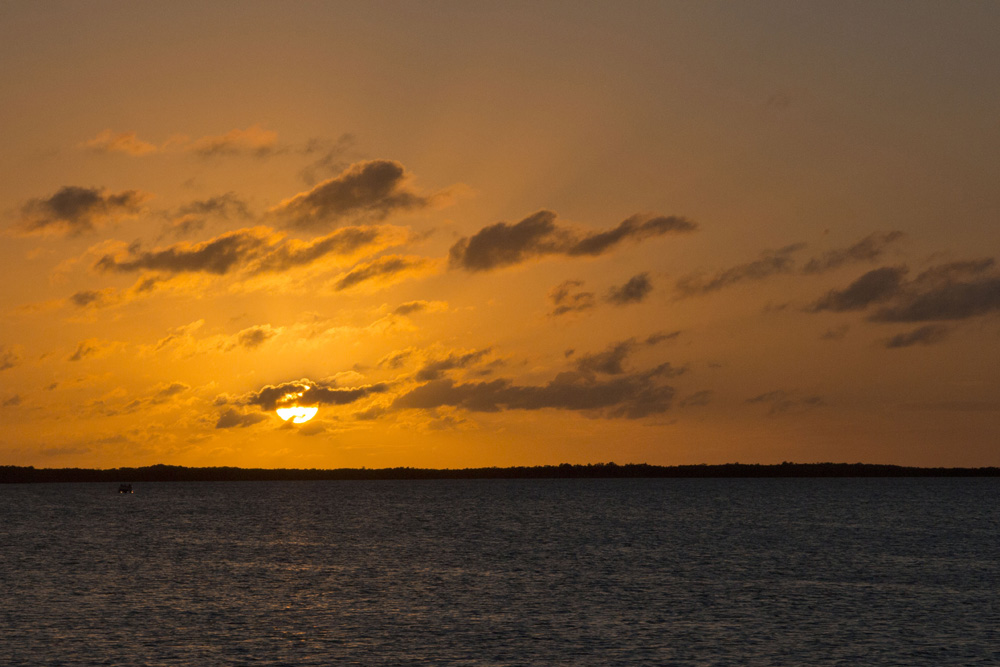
point(167, 473)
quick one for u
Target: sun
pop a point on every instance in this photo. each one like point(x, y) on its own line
point(297, 413)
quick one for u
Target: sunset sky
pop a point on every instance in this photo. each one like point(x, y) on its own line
point(499, 233)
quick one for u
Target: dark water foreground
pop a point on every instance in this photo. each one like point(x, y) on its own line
point(503, 572)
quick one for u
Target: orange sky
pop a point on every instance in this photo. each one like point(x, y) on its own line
point(517, 234)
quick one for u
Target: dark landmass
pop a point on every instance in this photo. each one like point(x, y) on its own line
point(165, 473)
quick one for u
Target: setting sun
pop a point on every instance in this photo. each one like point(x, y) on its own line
point(297, 414)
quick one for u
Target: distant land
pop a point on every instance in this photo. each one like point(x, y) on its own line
point(168, 473)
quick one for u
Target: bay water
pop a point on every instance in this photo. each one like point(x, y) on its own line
point(503, 572)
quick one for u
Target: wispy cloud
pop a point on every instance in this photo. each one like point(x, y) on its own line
point(74, 210)
point(371, 190)
point(503, 244)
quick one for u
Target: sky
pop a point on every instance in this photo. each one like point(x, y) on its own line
point(495, 234)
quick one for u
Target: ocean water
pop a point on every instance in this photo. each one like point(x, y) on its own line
point(511, 572)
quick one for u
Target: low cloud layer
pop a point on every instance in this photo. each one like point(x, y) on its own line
point(538, 235)
point(781, 401)
point(371, 190)
point(630, 396)
point(73, 210)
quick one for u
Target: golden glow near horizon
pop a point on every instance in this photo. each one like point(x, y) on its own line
point(667, 233)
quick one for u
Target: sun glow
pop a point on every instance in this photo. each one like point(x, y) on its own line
point(297, 414)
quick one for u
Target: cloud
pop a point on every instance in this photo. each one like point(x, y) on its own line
point(385, 269)
point(412, 307)
point(254, 140)
point(92, 347)
point(255, 336)
point(771, 262)
point(539, 234)
point(232, 418)
point(867, 249)
point(395, 359)
point(8, 358)
point(635, 290)
point(251, 250)
point(925, 335)
point(875, 286)
point(307, 392)
point(782, 262)
point(697, 399)
point(943, 299)
point(951, 291)
point(629, 396)
point(781, 402)
point(330, 162)
point(12, 401)
point(73, 210)
point(121, 142)
point(837, 333)
point(435, 369)
point(611, 360)
point(565, 301)
point(372, 190)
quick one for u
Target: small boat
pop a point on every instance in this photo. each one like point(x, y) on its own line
point(125, 488)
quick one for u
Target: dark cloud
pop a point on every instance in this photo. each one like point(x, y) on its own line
point(697, 399)
point(630, 396)
point(8, 358)
point(411, 307)
point(228, 205)
point(611, 360)
point(867, 249)
point(252, 250)
point(379, 268)
point(435, 369)
point(565, 300)
point(172, 389)
point(873, 287)
point(74, 210)
point(837, 333)
point(957, 300)
point(771, 262)
point(781, 401)
point(86, 298)
point(331, 159)
point(503, 244)
point(85, 349)
point(925, 335)
point(255, 336)
point(782, 262)
point(372, 189)
point(951, 291)
point(635, 290)
point(395, 359)
point(12, 402)
point(660, 336)
point(254, 141)
point(307, 392)
point(232, 418)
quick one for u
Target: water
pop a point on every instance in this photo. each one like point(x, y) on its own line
point(491, 572)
